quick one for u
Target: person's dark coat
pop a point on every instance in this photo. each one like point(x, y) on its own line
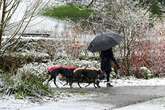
point(107, 58)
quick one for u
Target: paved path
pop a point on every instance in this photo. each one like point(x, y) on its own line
point(105, 98)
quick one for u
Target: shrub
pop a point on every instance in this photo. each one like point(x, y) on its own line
point(11, 62)
point(23, 85)
point(85, 57)
point(77, 62)
point(147, 74)
point(149, 54)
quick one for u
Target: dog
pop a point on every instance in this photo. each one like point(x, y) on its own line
point(88, 75)
point(65, 71)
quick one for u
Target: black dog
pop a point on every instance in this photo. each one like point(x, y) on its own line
point(64, 71)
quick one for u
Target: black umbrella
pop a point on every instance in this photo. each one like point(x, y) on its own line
point(104, 41)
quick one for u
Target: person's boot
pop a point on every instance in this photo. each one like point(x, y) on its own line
point(109, 84)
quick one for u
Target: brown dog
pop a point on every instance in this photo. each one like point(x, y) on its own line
point(88, 75)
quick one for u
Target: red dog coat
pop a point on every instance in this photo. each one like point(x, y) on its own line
point(56, 67)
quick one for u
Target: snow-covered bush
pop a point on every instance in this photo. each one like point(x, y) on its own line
point(27, 82)
point(77, 62)
point(34, 68)
point(114, 74)
point(30, 78)
point(12, 61)
point(146, 72)
point(88, 56)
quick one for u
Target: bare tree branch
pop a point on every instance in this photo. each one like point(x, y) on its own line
point(9, 7)
point(3, 8)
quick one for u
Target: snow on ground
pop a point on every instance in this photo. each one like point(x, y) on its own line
point(122, 82)
point(72, 103)
point(10, 103)
point(155, 104)
point(75, 101)
point(138, 82)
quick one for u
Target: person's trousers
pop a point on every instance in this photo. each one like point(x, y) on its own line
point(107, 75)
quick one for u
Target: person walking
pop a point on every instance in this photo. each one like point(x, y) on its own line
point(103, 43)
point(107, 57)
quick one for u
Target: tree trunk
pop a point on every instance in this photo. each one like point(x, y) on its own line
point(3, 7)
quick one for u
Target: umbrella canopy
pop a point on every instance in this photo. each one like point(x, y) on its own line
point(104, 41)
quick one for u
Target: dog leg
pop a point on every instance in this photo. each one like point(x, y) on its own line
point(51, 77)
point(94, 85)
point(55, 82)
point(79, 84)
point(70, 81)
point(70, 84)
point(88, 84)
point(66, 83)
point(97, 83)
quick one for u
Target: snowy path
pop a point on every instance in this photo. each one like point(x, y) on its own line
point(155, 104)
point(116, 98)
point(70, 104)
point(132, 94)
